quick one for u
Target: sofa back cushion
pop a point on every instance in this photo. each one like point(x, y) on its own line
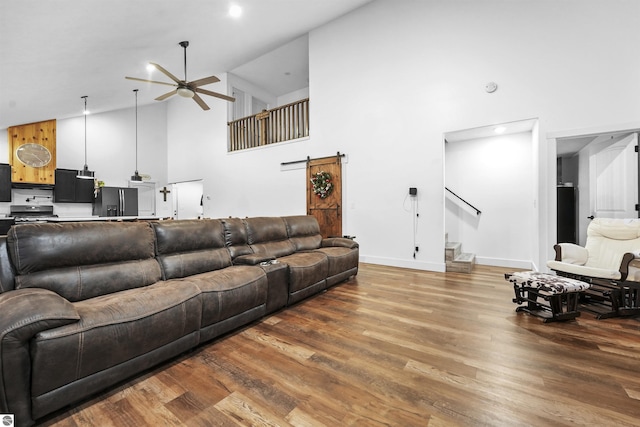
point(303, 232)
point(268, 236)
point(81, 260)
point(188, 247)
point(608, 239)
point(235, 237)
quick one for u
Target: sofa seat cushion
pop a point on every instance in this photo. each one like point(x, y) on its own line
point(340, 259)
point(230, 291)
point(306, 269)
point(113, 329)
point(581, 270)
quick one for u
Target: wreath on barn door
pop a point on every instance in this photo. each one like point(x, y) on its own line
point(322, 185)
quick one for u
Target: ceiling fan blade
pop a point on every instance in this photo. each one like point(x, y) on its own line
point(166, 73)
point(200, 102)
point(150, 81)
point(216, 94)
point(166, 95)
point(205, 81)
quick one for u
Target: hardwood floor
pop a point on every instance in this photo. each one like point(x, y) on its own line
point(393, 347)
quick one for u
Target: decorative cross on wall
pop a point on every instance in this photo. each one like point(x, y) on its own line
point(164, 192)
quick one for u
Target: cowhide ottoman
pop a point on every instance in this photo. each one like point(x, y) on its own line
point(548, 296)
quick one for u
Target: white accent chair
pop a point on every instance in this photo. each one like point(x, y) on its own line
point(610, 261)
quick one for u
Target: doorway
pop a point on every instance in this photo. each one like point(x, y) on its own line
point(146, 197)
point(187, 199)
point(326, 207)
point(180, 200)
point(494, 169)
point(602, 168)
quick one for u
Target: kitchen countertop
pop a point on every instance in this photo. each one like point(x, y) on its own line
point(99, 218)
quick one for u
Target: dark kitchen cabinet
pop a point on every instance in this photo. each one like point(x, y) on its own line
point(5, 182)
point(71, 189)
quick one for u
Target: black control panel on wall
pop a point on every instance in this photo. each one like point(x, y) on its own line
point(413, 191)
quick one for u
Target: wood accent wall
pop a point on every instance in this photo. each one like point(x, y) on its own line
point(43, 133)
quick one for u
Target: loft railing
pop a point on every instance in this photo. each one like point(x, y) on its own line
point(279, 124)
point(478, 212)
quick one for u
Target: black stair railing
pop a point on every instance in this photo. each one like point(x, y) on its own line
point(478, 212)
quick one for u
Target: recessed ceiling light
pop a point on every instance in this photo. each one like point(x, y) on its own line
point(500, 129)
point(151, 67)
point(235, 11)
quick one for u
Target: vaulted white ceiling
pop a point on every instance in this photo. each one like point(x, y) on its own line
point(52, 52)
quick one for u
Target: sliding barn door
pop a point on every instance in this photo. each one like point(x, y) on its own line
point(328, 211)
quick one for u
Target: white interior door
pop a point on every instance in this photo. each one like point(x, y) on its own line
point(188, 199)
point(146, 197)
point(614, 178)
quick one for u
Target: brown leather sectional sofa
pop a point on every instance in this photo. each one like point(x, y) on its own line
point(86, 305)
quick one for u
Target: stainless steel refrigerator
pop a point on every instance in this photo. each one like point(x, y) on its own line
point(116, 201)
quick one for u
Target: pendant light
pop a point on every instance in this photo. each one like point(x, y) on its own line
point(85, 173)
point(136, 176)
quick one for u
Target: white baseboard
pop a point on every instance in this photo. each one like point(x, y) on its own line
point(503, 262)
point(441, 267)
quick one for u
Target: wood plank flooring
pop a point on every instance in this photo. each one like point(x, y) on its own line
point(393, 347)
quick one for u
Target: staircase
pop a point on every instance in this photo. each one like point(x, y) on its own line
point(456, 260)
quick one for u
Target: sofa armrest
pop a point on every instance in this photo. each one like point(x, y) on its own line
point(25, 312)
point(252, 259)
point(571, 253)
point(339, 241)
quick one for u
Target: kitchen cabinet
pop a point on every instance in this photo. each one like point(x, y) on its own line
point(71, 189)
point(32, 153)
point(5, 182)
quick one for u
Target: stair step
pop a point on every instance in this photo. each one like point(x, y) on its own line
point(463, 263)
point(452, 250)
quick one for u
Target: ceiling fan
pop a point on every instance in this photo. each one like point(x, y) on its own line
point(184, 87)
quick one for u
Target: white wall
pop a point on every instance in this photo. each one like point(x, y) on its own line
point(111, 139)
point(495, 175)
point(388, 80)
point(247, 183)
point(294, 96)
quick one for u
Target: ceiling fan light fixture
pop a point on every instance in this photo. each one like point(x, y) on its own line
point(185, 92)
point(185, 87)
